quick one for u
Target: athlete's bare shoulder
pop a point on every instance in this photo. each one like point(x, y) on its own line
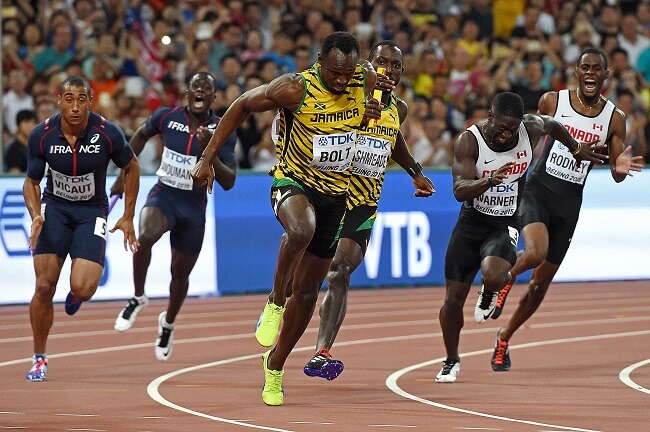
point(286, 90)
point(402, 109)
point(548, 103)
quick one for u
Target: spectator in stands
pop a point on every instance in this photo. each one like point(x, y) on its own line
point(630, 39)
point(56, 56)
point(16, 155)
point(45, 108)
point(16, 99)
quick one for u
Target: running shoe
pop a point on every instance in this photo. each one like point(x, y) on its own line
point(72, 304)
point(501, 301)
point(272, 391)
point(449, 372)
point(323, 366)
point(485, 304)
point(269, 324)
point(501, 357)
point(127, 316)
point(165, 339)
point(38, 370)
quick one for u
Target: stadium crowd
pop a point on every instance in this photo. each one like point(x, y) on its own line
point(457, 56)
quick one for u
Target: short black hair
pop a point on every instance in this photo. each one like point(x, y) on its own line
point(509, 104)
point(594, 51)
point(375, 47)
point(24, 115)
point(77, 81)
point(344, 41)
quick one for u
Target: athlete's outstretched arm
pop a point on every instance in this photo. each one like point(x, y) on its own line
point(540, 125)
point(401, 154)
point(285, 91)
point(131, 186)
point(620, 162)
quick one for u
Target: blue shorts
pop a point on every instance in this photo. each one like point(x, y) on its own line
point(185, 218)
point(73, 229)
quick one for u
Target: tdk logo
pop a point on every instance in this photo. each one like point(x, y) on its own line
point(503, 188)
point(370, 142)
point(178, 158)
point(337, 140)
point(173, 125)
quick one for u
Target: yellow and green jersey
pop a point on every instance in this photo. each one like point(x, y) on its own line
point(375, 144)
point(316, 142)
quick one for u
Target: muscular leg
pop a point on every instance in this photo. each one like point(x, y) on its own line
point(299, 221)
point(153, 224)
point(451, 316)
point(536, 247)
point(182, 266)
point(349, 256)
point(84, 278)
point(300, 306)
point(530, 301)
point(495, 273)
point(41, 311)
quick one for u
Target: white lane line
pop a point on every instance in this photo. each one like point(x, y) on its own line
point(481, 429)
point(76, 415)
point(86, 429)
point(11, 412)
point(391, 381)
point(624, 376)
point(153, 386)
point(391, 426)
point(311, 422)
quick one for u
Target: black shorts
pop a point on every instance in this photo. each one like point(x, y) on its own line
point(357, 225)
point(472, 242)
point(73, 229)
point(329, 211)
point(558, 212)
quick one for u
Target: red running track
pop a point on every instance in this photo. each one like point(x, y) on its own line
point(580, 364)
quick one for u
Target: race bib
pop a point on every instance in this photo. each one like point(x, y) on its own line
point(175, 169)
point(371, 156)
point(100, 227)
point(333, 152)
point(499, 200)
point(73, 188)
point(561, 164)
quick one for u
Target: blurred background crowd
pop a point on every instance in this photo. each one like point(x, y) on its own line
point(457, 56)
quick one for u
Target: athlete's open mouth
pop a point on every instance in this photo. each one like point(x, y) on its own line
point(590, 85)
point(199, 102)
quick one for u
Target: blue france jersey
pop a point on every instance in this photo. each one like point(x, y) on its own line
point(182, 149)
point(76, 174)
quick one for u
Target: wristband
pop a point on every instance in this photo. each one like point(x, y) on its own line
point(414, 170)
point(577, 149)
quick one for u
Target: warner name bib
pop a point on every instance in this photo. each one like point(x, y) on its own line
point(333, 152)
point(73, 188)
point(561, 164)
point(175, 169)
point(499, 200)
point(371, 156)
